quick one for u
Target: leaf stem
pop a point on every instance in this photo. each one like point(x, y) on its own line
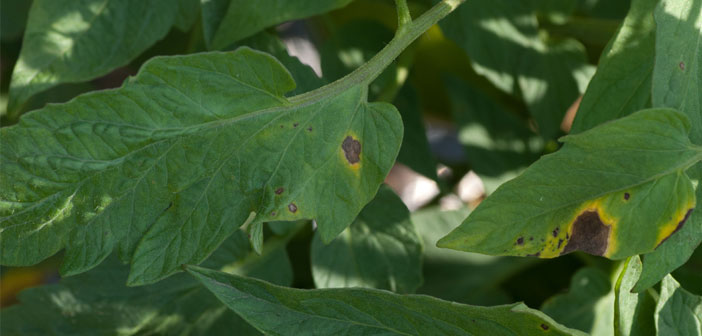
point(367, 72)
point(404, 17)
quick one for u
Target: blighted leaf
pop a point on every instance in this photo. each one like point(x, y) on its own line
point(169, 165)
point(678, 311)
point(379, 250)
point(98, 302)
point(68, 41)
point(622, 83)
point(581, 307)
point(228, 21)
point(356, 311)
point(677, 81)
point(633, 312)
point(616, 190)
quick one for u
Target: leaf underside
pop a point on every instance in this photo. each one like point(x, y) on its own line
point(616, 190)
point(167, 166)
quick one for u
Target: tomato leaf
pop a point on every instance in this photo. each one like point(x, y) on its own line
point(286, 311)
point(616, 190)
point(678, 311)
point(169, 165)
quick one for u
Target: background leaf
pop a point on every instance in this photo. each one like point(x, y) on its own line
point(562, 202)
point(678, 311)
point(287, 311)
point(98, 302)
point(228, 21)
point(632, 311)
point(68, 41)
point(158, 184)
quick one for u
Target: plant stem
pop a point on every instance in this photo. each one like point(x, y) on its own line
point(367, 72)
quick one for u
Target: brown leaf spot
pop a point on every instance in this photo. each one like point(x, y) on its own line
point(279, 191)
point(544, 326)
point(555, 232)
point(534, 255)
point(295, 124)
point(682, 66)
point(352, 149)
point(626, 196)
point(292, 207)
point(520, 241)
point(281, 126)
point(590, 235)
point(273, 213)
point(309, 129)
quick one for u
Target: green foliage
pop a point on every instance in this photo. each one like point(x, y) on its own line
point(187, 133)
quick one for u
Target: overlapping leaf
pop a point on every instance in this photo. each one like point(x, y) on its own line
point(228, 21)
point(169, 165)
point(678, 311)
point(354, 311)
point(616, 190)
point(68, 41)
point(98, 303)
point(379, 250)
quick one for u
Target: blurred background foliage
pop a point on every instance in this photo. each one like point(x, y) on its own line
point(482, 95)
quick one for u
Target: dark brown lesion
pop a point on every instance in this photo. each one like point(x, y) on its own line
point(352, 149)
point(589, 235)
point(292, 207)
point(680, 226)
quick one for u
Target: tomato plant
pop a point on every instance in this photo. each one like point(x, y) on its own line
point(191, 175)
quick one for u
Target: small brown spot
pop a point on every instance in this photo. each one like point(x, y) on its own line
point(626, 196)
point(309, 129)
point(534, 255)
point(292, 207)
point(682, 66)
point(279, 191)
point(560, 241)
point(680, 226)
point(531, 238)
point(556, 231)
point(352, 149)
point(590, 235)
point(273, 213)
point(520, 241)
point(544, 326)
point(281, 126)
point(295, 124)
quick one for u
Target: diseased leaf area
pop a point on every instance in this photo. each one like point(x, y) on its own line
point(609, 191)
point(338, 167)
point(166, 167)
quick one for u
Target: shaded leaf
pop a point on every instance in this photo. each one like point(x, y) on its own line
point(169, 165)
point(286, 311)
point(633, 312)
point(502, 40)
point(678, 312)
point(415, 152)
point(677, 83)
point(380, 249)
point(458, 276)
point(13, 18)
point(583, 196)
point(622, 83)
point(98, 303)
point(228, 21)
point(582, 307)
point(188, 13)
point(69, 41)
point(498, 145)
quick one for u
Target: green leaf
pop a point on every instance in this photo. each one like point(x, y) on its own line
point(458, 276)
point(13, 18)
point(583, 307)
point(98, 303)
point(188, 13)
point(677, 83)
point(512, 55)
point(228, 21)
point(498, 145)
point(622, 83)
point(285, 311)
point(380, 249)
point(583, 196)
point(678, 312)
point(633, 312)
point(69, 41)
point(169, 165)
